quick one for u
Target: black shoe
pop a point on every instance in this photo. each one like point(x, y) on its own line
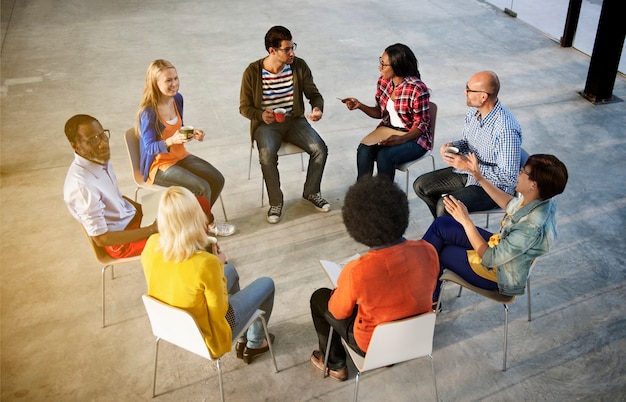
point(316, 199)
point(250, 354)
point(240, 346)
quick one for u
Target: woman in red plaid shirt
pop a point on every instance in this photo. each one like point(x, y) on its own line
point(402, 102)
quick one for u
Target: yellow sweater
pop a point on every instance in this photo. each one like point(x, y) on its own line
point(196, 285)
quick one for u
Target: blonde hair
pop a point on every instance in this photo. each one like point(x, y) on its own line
point(182, 224)
point(151, 93)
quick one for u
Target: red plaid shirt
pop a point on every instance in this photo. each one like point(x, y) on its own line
point(411, 104)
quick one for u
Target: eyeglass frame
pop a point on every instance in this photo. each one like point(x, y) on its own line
point(522, 170)
point(467, 90)
point(288, 49)
point(106, 135)
point(381, 64)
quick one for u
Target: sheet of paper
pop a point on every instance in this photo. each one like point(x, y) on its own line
point(150, 207)
point(332, 269)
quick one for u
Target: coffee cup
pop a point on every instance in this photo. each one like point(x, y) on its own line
point(187, 130)
point(279, 114)
point(452, 150)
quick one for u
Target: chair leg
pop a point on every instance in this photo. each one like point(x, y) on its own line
point(407, 182)
point(460, 290)
point(156, 358)
point(269, 342)
point(356, 387)
point(506, 333)
point(487, 222)
point(218, 363)
point(302, 160)
point(223, 209)
point(528, 292)
point(330, 337)
point(250, 162)
point(432, 366)
point(104, 269)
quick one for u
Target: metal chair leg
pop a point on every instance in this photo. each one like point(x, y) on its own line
point(528, 295)
point(356, 387)
point(330, 337)
point(156, 357)
point(104, 269)
point(269, 342)
point(223, 209)
point(432, 366)
point(506, 333)
point(218, 363)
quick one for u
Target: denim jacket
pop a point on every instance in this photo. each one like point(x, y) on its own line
point(525, 234)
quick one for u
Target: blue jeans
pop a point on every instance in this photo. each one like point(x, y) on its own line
point(195, 174)
point(299, 132)
point(258, 295)
point(387, 158)
point(449, 239)
point(430, 187)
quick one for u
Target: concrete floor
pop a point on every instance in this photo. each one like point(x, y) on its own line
point(63, 58)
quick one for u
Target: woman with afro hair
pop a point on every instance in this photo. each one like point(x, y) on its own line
point(395, 279)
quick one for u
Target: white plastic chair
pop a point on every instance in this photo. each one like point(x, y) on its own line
point(391, 343)
point(523, 158)
point(405, 166)
point(132, 147)
point(450, 276)
point(179, 328)
point(286, 148)
point(107, 262)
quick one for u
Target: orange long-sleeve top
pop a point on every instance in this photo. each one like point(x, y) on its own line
point(388, 284)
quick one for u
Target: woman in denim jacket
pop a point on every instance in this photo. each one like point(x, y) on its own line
point(501, 261)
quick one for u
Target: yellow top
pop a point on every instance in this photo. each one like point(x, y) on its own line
point(196, 285)
point(475, 261)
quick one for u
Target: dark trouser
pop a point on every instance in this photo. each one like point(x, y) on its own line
point(323, 320)
point(299, 132)
point(387, 158)
point(451, 242)
point(430, 187)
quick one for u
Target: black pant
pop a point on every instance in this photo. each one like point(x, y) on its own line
point(323, 320)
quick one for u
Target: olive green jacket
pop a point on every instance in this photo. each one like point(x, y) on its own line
point(251, 95)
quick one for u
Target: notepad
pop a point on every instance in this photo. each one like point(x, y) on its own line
point(381, 133)
point(150, 207)
point(332, 269)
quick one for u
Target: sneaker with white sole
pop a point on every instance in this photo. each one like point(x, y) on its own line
point(275, 213)
point(222, 229)
point(316, 199)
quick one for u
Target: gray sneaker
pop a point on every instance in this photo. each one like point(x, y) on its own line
point(320, 204)
point(275, 213)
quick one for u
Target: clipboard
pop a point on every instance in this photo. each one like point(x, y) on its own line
point(332, 269)
point(150, 207)
point(381, 133)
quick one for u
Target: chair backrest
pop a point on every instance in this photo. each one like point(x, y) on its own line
point(433, 119)
point(175, 326)
point(401, 340)
point(523, 158)
point(132, 147)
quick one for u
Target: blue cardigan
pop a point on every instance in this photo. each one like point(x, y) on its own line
point(150, 143)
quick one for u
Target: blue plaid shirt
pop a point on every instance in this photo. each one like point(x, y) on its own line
point(496, 140)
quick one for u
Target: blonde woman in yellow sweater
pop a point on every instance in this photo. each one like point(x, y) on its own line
point(181, 272)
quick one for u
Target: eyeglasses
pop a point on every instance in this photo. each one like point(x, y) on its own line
point(467, 90)
point(382, 65)
point(98, 138)
point(288, 49)
point(524, 172)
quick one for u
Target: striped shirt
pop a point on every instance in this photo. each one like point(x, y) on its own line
point(496, 140)
point(278, 89)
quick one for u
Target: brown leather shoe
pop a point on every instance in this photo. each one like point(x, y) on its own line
point(317, 358)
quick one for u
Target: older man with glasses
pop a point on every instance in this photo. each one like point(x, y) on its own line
point(492, 133)
point(280, 80)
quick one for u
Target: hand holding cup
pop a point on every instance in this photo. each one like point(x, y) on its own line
point(280, 114)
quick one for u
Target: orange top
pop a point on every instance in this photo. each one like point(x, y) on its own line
point(388, 284)
point(176, 153)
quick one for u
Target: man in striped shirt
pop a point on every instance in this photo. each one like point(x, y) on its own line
point(492, 133)
point(280, 80)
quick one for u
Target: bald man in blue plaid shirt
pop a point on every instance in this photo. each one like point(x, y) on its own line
point(492, 133)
